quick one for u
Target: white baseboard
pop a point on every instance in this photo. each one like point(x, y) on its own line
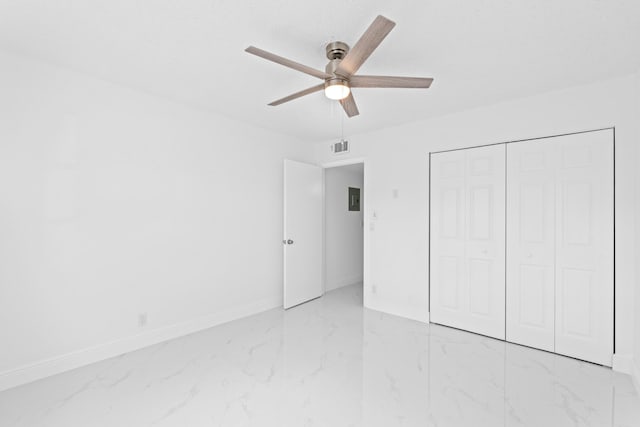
point(408, 312)
point(622, 363)
point(45, 368)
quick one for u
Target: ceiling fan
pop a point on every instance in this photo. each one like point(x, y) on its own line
point(340, 73)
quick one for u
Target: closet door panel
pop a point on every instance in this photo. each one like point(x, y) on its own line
point(530, 291)
point(584, 246)
point(485, 240)
point(467, 240)
point(447, 275)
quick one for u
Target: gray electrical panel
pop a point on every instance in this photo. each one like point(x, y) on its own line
point(354, 199)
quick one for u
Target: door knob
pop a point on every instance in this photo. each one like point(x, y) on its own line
point(288, 242)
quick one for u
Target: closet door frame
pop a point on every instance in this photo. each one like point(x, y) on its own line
point(430, 205)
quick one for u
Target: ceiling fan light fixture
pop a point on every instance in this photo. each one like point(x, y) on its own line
point(336, 89)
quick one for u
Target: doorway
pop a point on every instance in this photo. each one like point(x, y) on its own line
point(344, 228)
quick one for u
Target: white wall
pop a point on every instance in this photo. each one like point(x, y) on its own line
point(343, 228)
point(115, 203)
point(396, 240)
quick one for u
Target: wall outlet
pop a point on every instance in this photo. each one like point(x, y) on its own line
point(374, 289)
point(142, 320)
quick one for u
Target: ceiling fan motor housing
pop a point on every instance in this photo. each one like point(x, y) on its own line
point(332, 66)
point(336, 51)
point(336, 80)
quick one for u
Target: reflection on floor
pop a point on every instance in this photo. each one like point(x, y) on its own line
point(329, 363)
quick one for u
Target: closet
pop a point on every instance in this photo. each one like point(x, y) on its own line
point(522, 243)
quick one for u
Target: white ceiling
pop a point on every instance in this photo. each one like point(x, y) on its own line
point(479, 52)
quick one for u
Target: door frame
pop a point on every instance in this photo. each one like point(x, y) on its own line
point(613, 129)
point(366, 262)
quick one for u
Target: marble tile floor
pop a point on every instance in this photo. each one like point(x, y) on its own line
point(328, 363)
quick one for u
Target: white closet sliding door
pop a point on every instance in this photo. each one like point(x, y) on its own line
point(584, 247)
point(559, 265)
point(531, 169)
point(560, 245)
point(468, 240)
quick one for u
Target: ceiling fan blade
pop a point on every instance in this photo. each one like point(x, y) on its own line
point(287, 62)
point(298, 95)
point(391, 81)
point(349, 105)
point(369, 41)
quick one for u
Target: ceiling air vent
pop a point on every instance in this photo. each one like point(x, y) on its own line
point(340, 147)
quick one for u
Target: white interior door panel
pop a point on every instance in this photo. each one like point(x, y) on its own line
point(467, 239)
point(584, 246)
point(302, 238)
point(531, 243)
point(448, 276)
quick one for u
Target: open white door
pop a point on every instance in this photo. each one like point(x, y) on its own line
point(302, 232)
